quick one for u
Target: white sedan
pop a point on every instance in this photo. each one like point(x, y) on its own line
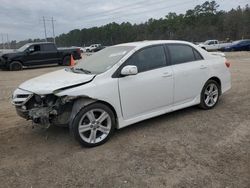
point(122, 85)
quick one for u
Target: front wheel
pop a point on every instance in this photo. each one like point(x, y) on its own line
point(210, 95)
point(93, 125)
point(15, 66)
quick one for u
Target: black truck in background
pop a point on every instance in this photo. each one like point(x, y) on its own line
point(36, 54)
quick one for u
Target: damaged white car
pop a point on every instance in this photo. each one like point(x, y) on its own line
point(122, 85)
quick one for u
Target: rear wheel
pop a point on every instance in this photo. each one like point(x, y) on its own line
point(15, 66)
point(93, 125)
point(210, 95)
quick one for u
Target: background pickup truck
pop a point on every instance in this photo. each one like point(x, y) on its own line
point(34, 54)
point(94, 48)
point(212, 45)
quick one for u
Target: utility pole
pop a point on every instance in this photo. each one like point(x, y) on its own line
point(45, 32)
point(8, 42)
point(2, 41)
point(53, 29)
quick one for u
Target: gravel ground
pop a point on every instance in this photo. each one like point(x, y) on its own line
point(186, 148)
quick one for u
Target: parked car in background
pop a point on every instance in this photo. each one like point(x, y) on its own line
point(82, 49)
point(212, 45)
point(34, 54)
point(98, 48)
point(122, 85)
point(240, 45)
point(92, 47)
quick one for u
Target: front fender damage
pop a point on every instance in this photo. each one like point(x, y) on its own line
point(60, 111)
point(52, 109)
point(77, 106)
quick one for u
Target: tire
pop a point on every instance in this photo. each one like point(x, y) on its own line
point(93, 125)
point(66, 61)
point(15, 66)
point(210, 95)
point(203, 48)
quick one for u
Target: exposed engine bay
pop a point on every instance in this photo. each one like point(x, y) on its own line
point(44, 110)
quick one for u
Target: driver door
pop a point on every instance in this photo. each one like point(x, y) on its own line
point(33, 55)
point(149, 90)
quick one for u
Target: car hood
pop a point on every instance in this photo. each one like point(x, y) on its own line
point(48, 83)
point(11, 54)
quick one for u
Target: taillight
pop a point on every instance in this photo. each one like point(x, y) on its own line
point(78, 51)
point(227, 63)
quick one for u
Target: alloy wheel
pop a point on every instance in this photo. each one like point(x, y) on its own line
point(211, 94)
point(94, 126)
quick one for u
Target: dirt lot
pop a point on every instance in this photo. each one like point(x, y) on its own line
point(187, 148)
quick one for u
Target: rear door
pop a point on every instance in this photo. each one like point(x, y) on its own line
point(190, 72)
point(50, 54)
point(149, 90)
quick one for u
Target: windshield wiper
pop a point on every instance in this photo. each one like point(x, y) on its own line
point(81, 69)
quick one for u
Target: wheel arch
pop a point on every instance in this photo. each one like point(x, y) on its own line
point(82, 102)
point(17, 61)
point(216, 79)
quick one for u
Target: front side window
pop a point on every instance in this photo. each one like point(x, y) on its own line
point(148, 58)
point(34, 48)
point(182, 53)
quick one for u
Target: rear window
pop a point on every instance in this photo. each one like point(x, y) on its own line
point(48, 47)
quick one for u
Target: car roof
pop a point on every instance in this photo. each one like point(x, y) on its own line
point(33, 43)
point(140, 44)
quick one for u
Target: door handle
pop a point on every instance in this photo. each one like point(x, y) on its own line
point(203, 67)
point(167, 74)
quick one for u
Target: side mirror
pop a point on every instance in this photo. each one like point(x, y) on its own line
point(129, 70)
point(29, 51)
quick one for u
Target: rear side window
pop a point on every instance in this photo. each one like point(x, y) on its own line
point(148, 58)
point(183, 53)
point(197, 55)
point(49, 47)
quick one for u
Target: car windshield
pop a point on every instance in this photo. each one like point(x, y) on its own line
point(208, 41)
point(103, 60)
point(24, 47)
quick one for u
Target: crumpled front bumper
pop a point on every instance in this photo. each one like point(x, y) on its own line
point(22, 113)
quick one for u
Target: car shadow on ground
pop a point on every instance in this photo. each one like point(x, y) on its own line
point(63, 133)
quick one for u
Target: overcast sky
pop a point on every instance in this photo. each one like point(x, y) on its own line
point(22, 19)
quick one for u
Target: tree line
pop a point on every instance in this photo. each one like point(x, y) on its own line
point(203, 22)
